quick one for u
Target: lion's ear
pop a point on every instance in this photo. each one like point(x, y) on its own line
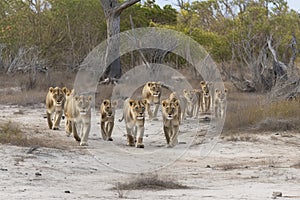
point(51, 89)
point(89, 98)
point(225, 90)
point(202, 83)
point(144, 101)
point(149, 84)
point(176, 103)
point(76, 98)
point(164, 103)
point(217, 90)
point(131, 102)
point(105, 102)
point(65, 90)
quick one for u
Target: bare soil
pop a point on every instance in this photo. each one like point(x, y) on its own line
point(238, 166)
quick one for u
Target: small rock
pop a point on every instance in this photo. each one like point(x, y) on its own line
point(207, 166)
point(67, 191)
point(38, 174)
point(276, 194)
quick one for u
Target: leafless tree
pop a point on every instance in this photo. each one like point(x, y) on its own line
point(112, 10)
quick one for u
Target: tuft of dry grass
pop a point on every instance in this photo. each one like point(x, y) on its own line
point(11, 133)
point(149, 182)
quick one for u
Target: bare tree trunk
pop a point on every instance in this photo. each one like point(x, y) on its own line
point(2, 46)
point(112, 11)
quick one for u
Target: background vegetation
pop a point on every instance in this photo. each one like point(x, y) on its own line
point(42, 39)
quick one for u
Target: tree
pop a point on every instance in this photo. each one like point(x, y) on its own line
point(112, 11)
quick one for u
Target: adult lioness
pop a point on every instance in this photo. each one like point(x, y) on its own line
point(134, 115)
point(55, 100)
point(79, 113)
point(107, 112)
point(206, 96)
point(220, 103)
point(192, 99)
point(171, 121)
point(152, 92)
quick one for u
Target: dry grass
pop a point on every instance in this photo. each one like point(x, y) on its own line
point(252, 111)
point(19, 89)
point(11, 133)
point(150, 182)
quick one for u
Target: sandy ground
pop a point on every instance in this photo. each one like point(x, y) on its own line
point(244, 166)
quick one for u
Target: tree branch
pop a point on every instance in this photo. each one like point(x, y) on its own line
point(118, 10)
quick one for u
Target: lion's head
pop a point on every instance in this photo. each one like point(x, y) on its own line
point(138, 108)
point(154, 88)
point(58, 95)
point(170, 108)
point(107, 108)
point(83, 104)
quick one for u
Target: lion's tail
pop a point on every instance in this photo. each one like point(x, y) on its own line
point(121, 118)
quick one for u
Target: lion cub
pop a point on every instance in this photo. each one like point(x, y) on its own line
point(152, 92)
point(107, 112)
point(55, 100)
point(171, 120)
point(220, 103)
point(134, 115)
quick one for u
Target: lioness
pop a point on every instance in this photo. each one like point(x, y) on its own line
point(206, 96)
point(152, 92)
point(182, 102)
point(55, 100)
point(192, 99)
point(220, 103)
point(78, 112)
point(134, 115)
point(107, 112)
point(171, 120)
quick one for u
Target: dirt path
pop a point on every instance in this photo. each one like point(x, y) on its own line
point(234, 169)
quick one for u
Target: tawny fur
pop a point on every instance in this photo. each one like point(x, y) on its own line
point(152, 93)
point(107, 121)
point(78, 113)
point(171, 121)
point(55, 100)
point(134, 116)
point(220, 103)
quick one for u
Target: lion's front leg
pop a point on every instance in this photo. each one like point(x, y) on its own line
point(174, 135)
point(155, 110)
point(130, 138)
point(140, 135)
point(49, 120)
point(110, 127)
point(167, 134)
point(74, 131)
point(148, 108)
point(68, 127)
point(103, 130)
point(85, 133)
point(57, 118)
